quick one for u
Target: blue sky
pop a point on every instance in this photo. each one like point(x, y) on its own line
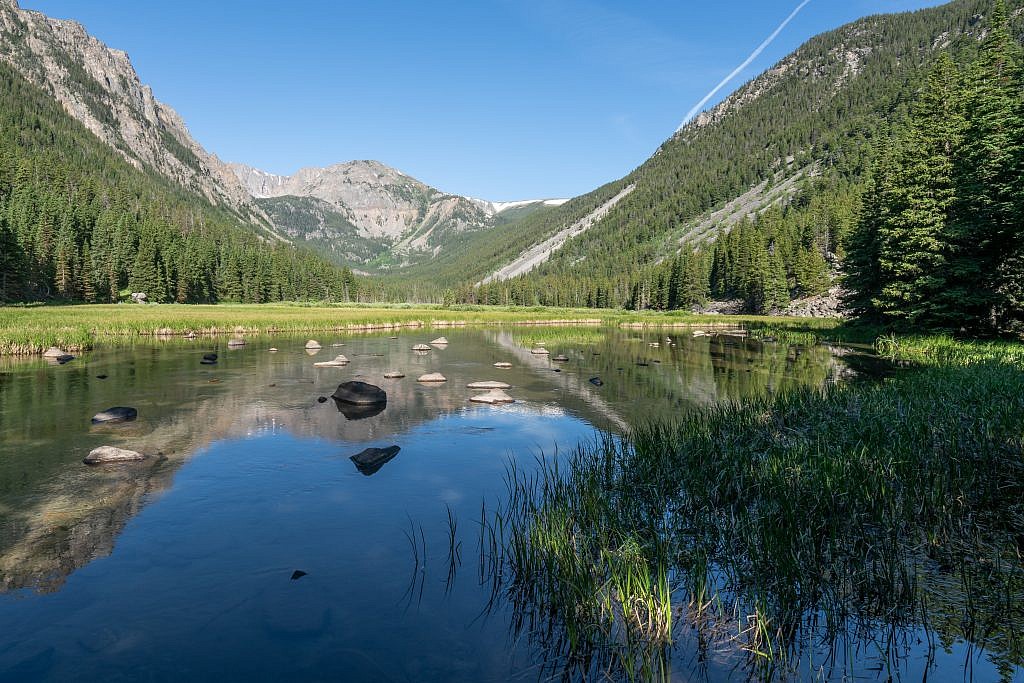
point(500, 99)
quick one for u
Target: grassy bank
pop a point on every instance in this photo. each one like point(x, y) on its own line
point(33, 329)
point(783, 532)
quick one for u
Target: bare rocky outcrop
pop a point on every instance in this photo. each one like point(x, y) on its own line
point(98, 86)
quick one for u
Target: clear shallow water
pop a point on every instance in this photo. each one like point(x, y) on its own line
point(180, 567)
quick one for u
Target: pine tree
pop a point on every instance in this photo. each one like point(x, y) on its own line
point(914, 241)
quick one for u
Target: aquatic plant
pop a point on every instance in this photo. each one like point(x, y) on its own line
point(784, 530)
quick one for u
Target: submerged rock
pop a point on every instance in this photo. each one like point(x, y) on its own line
point(372, 459)
point(298, 574)
point(54, 352)
point(360, 394)
point(394, 374)
point(110, 454)
point(101, 376)
point(313, 344)
point(432, 377)
point(487, 385)
point(440, 341)
point(115, 414)
point(561, 358)
point(540, 351)
point(236, 342)
point(596, 381)
point(421, 347)
point(272, 350)
point(493, 397)
point(66, 358)
point(338, 362)
point(503, 365)
point(210, 357)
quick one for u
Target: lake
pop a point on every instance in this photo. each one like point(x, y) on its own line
point(249, 546)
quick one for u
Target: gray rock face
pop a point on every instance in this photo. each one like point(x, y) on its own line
point(372, 459)
point(110, 454)
point(360, 394)
point(115, 415)
point(106, 96)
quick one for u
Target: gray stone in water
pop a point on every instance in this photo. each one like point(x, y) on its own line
point(313, 344)
point(236, 342)
point(487, 385)
point(115, 414)
point(421, 347)
point(54, 352)
point(394, 374)
point(540, 351)
point(561, 358)
point(432, 377)
point(210, 356)
point(440, 341)
point(503, 365)
point(493, 397)
point(372, 459)
point(110, 454)
point(338, 362)
point(360, 394)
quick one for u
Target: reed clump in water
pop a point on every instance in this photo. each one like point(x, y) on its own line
point(785, 526)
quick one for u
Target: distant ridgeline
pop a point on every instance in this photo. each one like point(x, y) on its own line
point(757, 199)
point(79, 223)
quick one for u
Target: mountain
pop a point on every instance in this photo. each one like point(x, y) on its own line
point(367, 213)
point(103, 191)
point(792, 145)
point(99, 87)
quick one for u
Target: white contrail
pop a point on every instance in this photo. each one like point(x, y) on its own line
point(735, 72)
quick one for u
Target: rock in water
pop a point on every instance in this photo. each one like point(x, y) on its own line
point(54, 352)
point(110, 454)
point(313, 344)
point(272, 350)
point(372, 459)
point(394, 374)
point(440, 341)
point(210, 357)
point(561, 358)
point(540, 351)
point(66, 358)
point(114, 415)
point(493, 397)
point(235, 343)
point(360, 394)
point(596, 381)
point(432, 377)
point(338, 362)
point(421, 347)
point(503, 365)
point(298, 574)
point(487, 385)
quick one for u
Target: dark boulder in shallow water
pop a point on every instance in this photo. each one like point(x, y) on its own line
point(596, 381)
point(298, 574)
point(355, 411)
point(209, 356)
point(360, 394)
point(115, 415)
point(372, 459)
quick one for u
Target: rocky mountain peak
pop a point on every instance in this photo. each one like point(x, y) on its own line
point(98, 86)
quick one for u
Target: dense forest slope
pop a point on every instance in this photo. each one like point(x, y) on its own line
point(793, 146)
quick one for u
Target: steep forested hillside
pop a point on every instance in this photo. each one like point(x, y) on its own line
point(814, 122)
point(78, 222)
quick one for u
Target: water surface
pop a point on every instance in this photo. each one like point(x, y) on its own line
point(181, 567)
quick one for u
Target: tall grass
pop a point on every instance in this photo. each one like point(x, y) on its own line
point(782, 527)
point(32, 329)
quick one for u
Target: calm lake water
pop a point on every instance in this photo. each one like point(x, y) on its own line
point(180, 567)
